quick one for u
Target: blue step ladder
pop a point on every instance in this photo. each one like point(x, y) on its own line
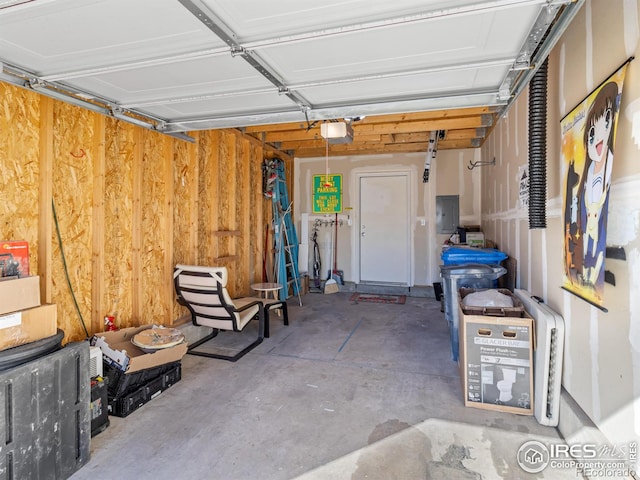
point(286, 239)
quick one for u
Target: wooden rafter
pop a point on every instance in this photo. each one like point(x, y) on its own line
point(407, 132)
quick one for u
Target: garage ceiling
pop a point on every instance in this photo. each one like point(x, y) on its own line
point(396, 70)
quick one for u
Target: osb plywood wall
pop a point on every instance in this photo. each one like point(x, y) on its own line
point(130, 204)
point(20, 170)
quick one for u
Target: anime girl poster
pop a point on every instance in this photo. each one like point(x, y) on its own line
point(588, 139)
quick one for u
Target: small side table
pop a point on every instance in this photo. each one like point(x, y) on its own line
point(266, 288)
point(263, 290)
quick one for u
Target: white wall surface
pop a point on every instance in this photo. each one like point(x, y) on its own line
point(448, 176)
point(602, 356)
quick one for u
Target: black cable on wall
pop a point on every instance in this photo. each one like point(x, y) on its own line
point(538, 148)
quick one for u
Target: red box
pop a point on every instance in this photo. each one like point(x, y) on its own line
point(14, 259)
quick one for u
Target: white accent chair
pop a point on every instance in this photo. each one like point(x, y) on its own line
point(203, 291)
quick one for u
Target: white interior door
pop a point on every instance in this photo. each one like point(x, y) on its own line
point(384, 229)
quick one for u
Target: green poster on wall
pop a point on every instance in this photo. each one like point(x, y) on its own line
point(327, 193)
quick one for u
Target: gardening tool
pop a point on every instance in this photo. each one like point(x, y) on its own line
point(317, 261)
point(330, 285)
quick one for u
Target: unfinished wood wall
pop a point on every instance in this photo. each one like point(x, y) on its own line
point(130, 204)
point(19, 166)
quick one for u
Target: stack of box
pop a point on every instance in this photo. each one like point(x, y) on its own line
point(22, 319)
point(134, 376)
point(496, 356)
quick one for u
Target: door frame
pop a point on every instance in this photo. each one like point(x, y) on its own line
point(356, 231)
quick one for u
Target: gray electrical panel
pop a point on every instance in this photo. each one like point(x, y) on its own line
point(447, 213)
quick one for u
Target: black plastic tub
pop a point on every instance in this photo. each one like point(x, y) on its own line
point(12, 357)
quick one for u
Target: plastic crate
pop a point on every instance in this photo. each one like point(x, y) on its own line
point(46, 419)
point(129, 403)
point(516, 311)
point(122, 383)
point(464, 255)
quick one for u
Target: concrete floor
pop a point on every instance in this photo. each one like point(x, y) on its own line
point(346, 391)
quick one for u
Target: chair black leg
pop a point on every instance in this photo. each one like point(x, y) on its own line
point(266, 323)
point(267, 315)
point(204, 339)
point(231, 358)
point(285, 314)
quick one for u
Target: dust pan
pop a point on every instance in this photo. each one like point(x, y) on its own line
point(330, 286)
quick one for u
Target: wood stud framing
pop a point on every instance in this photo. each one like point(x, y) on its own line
point(131, 203)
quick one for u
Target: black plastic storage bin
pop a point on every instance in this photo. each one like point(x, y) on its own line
point(126, 404)
point(45, 426)
point(12, 357)
point(121, 383)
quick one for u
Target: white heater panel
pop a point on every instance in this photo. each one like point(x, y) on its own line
point(549, 329)
point(95, 362)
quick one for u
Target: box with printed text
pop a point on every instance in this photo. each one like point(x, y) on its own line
point(496, 363)
point(14, 259)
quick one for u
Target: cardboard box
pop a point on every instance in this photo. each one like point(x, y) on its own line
point(14, 259)
point(304, 284)
point(28, 325)
point(475, 239)
point(118, 350)
point(517, 310)
point(496, 363)
point(19, 294)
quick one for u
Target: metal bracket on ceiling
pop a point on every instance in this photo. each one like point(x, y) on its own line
point(35, 83)
point(504, 94)
point(155, 124)
point(521, 63)
point(235, 51)
point(552, 21)
point(122, 114)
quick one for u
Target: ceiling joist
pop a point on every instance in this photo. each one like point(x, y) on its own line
point(409, 132)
